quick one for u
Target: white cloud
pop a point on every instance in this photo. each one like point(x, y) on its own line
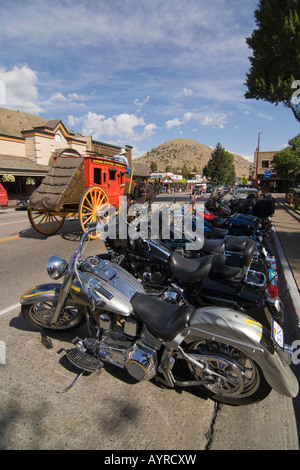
point(141, 103)
point(188, 92)
point(213, 119)
point(122, 126)
point(174, 123)
point(21, 90)
point(265, 116)
point(58, 99)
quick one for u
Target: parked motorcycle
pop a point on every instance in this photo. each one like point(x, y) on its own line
point(215, 279)
point(225, 352)
point(240, 216)
point(230, 245)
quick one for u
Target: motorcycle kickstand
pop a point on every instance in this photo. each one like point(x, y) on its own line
point(73, 383)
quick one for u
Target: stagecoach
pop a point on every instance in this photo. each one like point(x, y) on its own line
point(79, 186)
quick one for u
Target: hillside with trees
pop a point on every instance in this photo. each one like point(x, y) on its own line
point(187, 155)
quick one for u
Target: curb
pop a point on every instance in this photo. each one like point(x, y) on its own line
point(291, 286)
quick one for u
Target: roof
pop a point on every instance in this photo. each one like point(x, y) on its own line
point(14, 123)
point(21, 166)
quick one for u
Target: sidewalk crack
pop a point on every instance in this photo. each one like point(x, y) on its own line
point(210, 432)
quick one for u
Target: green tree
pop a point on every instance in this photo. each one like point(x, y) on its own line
point(220, 167)
point(287, 161)
point(274, 74)
point(153, 166)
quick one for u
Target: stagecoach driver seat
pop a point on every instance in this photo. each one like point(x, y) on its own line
point(121, 157)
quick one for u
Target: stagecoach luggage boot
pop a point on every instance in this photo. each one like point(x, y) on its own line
point(64, 184)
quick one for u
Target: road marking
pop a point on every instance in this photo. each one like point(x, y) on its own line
point(9, 309)
point(14, 222)
point(9, 238)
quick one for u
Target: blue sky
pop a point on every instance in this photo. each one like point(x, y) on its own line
point(139, 72)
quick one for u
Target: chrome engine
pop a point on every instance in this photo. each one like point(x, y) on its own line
point(118, 344)
point(137, 358)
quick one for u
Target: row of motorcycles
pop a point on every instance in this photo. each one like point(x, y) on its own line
point(157, 307)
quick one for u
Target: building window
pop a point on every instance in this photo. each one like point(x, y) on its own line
point(265, 164)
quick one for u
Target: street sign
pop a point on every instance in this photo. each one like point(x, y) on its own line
point(267, 173)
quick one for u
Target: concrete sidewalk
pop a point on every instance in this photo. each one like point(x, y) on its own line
point(286, 221)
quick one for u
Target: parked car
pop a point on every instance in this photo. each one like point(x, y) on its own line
point(209, 189)
point(242, 193)
point(3, 196)
point(22, 203)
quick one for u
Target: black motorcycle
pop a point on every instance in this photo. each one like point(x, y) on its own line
point(214, 279)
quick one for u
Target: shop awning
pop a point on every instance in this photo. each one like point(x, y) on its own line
point(21, 166)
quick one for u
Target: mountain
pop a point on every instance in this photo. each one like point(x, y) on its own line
point(179, 152)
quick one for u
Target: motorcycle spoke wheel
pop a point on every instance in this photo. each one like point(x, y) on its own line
point(39, 315)
point(235, 378)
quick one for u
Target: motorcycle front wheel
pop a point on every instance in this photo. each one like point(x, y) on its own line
point(232, 377)
point(39, 315)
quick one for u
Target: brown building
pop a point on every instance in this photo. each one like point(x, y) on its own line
point(28, 142)
point(264, 174)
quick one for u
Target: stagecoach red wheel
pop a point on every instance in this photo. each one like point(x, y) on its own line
point(94, 204)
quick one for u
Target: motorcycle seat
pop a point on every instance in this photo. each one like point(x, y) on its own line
point(234, 267)
point(220, 222)
point(236, 243)
point(190, 270)
point(231, 243)
point(163, 319)
point(230, 268)
point(219, 232)
point(213, 245)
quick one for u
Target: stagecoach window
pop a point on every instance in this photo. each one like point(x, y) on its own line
point(97, 175)
point(112, 174)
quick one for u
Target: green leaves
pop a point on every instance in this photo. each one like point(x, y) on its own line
point(220, 168)
point(275, 44)
point(287, 161)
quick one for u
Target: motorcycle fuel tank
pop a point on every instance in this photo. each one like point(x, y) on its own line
point(105, 284)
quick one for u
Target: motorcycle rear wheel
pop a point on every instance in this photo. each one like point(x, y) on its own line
point(39, 315)
point(240, 380)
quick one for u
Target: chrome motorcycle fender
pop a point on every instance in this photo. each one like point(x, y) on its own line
point(41, 293)
point(231, 327)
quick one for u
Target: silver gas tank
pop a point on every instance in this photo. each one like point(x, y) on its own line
point(114, 285)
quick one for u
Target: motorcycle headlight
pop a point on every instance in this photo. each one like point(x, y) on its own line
point(56, 266)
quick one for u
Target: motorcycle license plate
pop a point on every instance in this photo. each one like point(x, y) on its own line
point(277, 334)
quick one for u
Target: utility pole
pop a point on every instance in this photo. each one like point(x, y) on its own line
point(257, 156)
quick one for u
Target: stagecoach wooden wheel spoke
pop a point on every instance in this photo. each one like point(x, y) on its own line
point(45, 222)
point(93, 204)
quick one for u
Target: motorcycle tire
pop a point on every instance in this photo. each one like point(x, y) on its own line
point(241, 380)
point(39, 315)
